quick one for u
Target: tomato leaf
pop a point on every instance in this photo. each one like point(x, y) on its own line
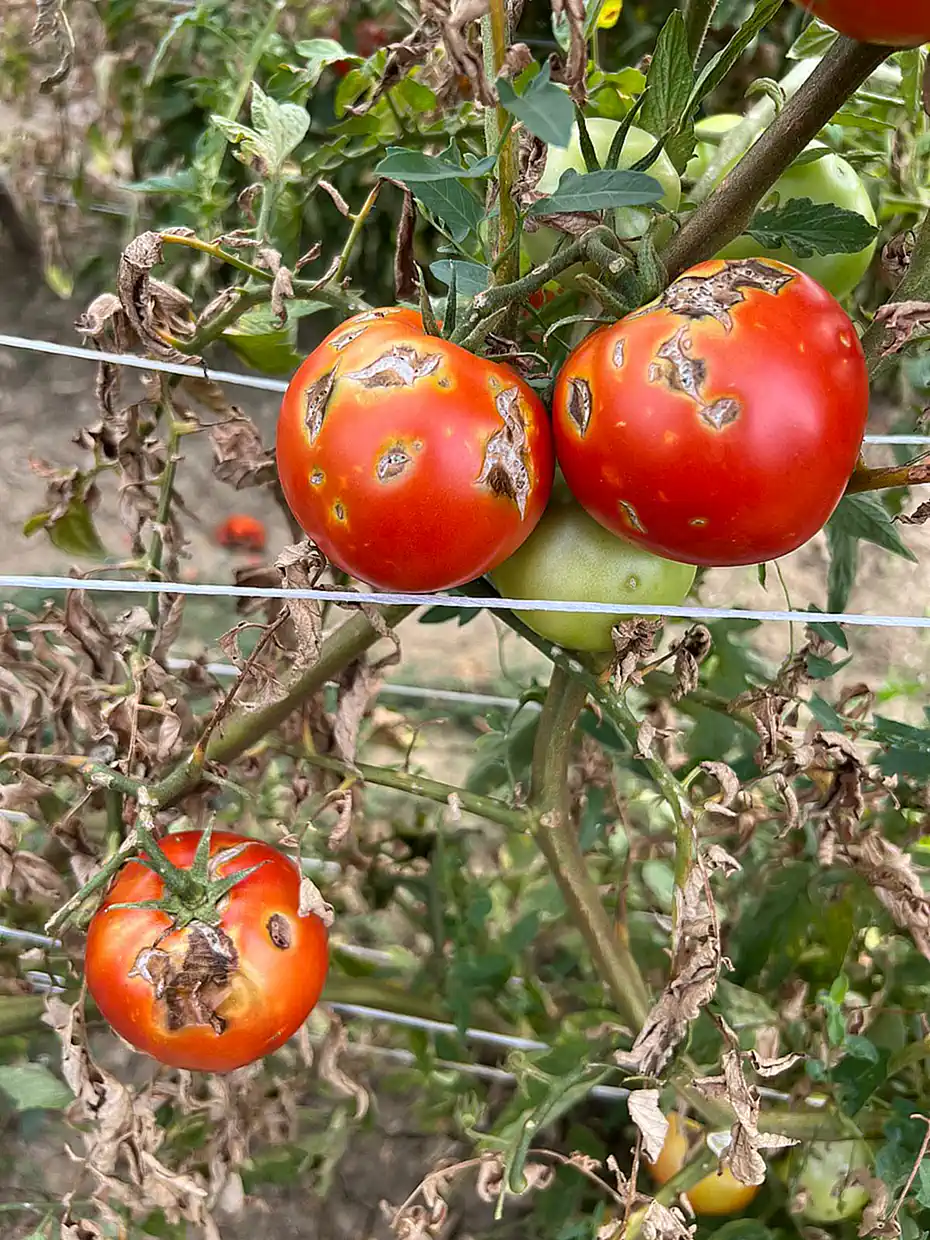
point(599, 191)
point(807, 227)
point(545, 109)
point(32, 1087)
point(277, 130)
point(814, 41)
point(470, 278)
point(720, 65)
point(413, 167)
point(669, 81)
point(319, 54)
point(865, 517)
point(453, 205)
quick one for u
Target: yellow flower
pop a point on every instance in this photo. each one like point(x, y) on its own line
point(609, 14)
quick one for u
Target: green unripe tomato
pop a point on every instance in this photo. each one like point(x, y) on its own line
point(710, 127)
point(823, 1172)
point(570, 557)
point(829, 179)
point(631, 221)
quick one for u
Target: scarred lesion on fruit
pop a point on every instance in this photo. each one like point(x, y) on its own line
point(504, 468)
point(714, 296)
point(721, 413)
point(316, 398)
point(579, 403)
point(631, 516)
point(192, 986)
point(676, 368)
point(619, 353)
point(400, 366)
point(392, 463)
point(279, 931)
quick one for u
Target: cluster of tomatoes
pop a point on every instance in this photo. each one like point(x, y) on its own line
point(718, 425)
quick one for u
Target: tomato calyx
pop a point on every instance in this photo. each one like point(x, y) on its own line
point(191, 896)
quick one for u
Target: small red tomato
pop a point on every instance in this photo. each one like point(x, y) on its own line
point(241, 530)
point(895, 23)
point(720, 424)
point(541, 297)
point(413, 465)
point(220, 992)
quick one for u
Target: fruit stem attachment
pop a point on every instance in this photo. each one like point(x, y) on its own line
point(558, 842)
point(913, 474)
point(728, 211)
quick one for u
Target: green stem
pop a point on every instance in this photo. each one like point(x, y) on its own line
point(115, 827)
point(358, 223)
point(728, 211)
point(507, 257)
point(430, 789)
point(915, 474)
point(698, 16)
point(914, 287)
point(246, 729)
point(558, 841)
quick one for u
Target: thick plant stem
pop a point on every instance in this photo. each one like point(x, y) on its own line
point(698, 15)
point(430, 789)
point(728, 211)
point(558, 841)
point(506, 254)
point(916, 474)
point(914, 287)
point(244, 730)
point(163, 512)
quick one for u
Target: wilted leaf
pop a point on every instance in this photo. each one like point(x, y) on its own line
point(646, 1114)
point(239, 456)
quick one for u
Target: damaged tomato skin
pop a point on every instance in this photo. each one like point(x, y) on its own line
point(719, 1193)
point(272, 990)
point(387, 449)
point(719, 438)
point(893, 23)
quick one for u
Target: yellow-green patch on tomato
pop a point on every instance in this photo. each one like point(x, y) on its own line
point(631, 221)
point(569, 557)
point(828, 180)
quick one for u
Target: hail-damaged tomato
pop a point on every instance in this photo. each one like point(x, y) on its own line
point(720, 424)
point(718, 1193)
point(824, 1179)
point(412, 464)
point(895, 23)
point(219, 992)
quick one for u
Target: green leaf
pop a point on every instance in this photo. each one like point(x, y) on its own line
point(922, 1187)
point(670, 79)
point(259, 340)
point(545, 109)
point(825, 715)
point(844, 561)
point(720, 65)
point(807, 228)
point(73, 531)
point(413, 167)
point(283, 126)
point(319, 54)
point(860, 1073)
point(599, 191)
point(814, 41)
point(32, 1087)
point(183, 182)
point(744, 1229)
point(470, 278)
point(865, 517)
point(829, 631)
point(453, 205)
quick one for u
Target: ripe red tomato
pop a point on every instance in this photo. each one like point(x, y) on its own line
point(412, 464)
point(369, 36)
point(208, 997)
point(897, 23)
point(718, 1193)
point(241, 530)
point(720, 424)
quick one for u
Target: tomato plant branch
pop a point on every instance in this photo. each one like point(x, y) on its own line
point(163, 511)
point(698, 15)
point(358, 223)
point(728, 211)
point(914, 474)
point(914, 287)
point(506, 256)
point(490, 808)
point(557, 838)
point(342, 646)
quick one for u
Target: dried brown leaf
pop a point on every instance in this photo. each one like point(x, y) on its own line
point(634, 641)
point(902, 320)
point(646, 1114)
point(155, 311)
point(301, 567)
point(405, 266)
point(239, 456)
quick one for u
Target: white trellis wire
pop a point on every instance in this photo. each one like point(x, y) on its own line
point(249, 381)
